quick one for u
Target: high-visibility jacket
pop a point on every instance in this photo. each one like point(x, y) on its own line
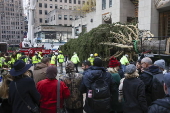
point(91, 59)
point(13, 60)
point(2, 59)
point(35, 59)
point(18, 56)
point(124, 60)
point(40, 57)
point(8, 64)
point(75, 59)
point(53, 59)
point(60, 58)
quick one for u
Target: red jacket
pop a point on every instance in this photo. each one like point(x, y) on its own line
point(48, 91)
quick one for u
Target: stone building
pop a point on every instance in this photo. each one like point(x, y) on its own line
point(11, 21)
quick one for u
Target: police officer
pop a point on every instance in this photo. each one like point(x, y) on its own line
point(60, 59)
point(53, 59)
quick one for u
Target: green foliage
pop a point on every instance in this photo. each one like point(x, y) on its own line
point(89, 43)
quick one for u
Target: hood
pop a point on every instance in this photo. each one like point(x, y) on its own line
point(95, 72)
point(40, 66)
point(154, 69)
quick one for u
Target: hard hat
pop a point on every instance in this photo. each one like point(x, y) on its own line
point(56, 53)
point(74, 53)
point(91, 55)
point(126, 55)
point(95, 54)
point(40, 52)
point(60, 51)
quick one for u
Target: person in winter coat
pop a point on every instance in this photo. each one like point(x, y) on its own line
point(138, 66)
point(162, 105)
point(22, 88)
point(93, 74)
point(73, 104)
point(133, 92)
point(113, 69)
point(40, 69)
point(146, 76)
point(5, 107)
point(48, 91)
point(75, 60)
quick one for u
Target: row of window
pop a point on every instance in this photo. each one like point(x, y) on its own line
point(104, 4)
point(12, 32)
point(10, 36)
point(56, 6)
point(66, 1)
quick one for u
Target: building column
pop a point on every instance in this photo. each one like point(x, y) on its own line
point(148, 16)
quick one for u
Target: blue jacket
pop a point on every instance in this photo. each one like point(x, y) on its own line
point(90, 76)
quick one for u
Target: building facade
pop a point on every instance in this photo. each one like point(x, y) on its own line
point(53, 19)
point(107, 11)
point(11, 21)
point(152, 15)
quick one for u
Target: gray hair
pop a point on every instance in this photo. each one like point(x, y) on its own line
point(147, 60)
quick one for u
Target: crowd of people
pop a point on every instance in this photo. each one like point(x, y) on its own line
point(121, 87)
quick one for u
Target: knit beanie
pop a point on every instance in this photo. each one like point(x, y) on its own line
point(98, 62)
point(131, 68)
point(51, 72)
point(160, 63)
point(113, 62)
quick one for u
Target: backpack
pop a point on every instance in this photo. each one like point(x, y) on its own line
point(157, 87)
point(101, 96)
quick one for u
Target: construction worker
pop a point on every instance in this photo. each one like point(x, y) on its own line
point(35, 59)
point(2, 59)
point(124, 61)
point(75, 60)
point(96, 55)
point(60, 59)
point(91, 59)
point(53, 59)
point(39, 55)
point(7, 63)
point(18, 55)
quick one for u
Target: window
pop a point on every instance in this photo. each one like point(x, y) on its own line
point(54, 17)
point(65, 17)
point(56, 6)
point(40, 20)
point(40, 11)
point(83, 2)
point(65, 24)
point(103, 4)
point(76, 17)
point(61, 7)
point(45, 5)
point(65, 1)
point(46, 21)
point(59, 17)
point(65, 7)
point(74, 1)
point(50, 0)
point(70, 1)
point(79, 2)
point(74, 7)
point(55, 0)
point(60, 0)
point(70, 7)
point(45, 12)
point(110, 3)
point(51, 6)
point(71, 17)
point(40, 4)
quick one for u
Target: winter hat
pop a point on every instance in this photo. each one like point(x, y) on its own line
point(113, 62)
point(51, 72)
point(98, 62)
point(160, 63)
point(69, 66)
point(131, 68)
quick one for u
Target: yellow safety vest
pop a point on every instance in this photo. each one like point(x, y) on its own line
point(53, 60)
point(60, 58)
point(12, 60)
point(91, 59)
point(8, 64)
point(18, 56)
point(35, 60)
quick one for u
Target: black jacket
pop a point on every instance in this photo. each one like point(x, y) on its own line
point(134, 96)
point(29, 93)
point(147, 77)
point(92, 74)
point(160, 106)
